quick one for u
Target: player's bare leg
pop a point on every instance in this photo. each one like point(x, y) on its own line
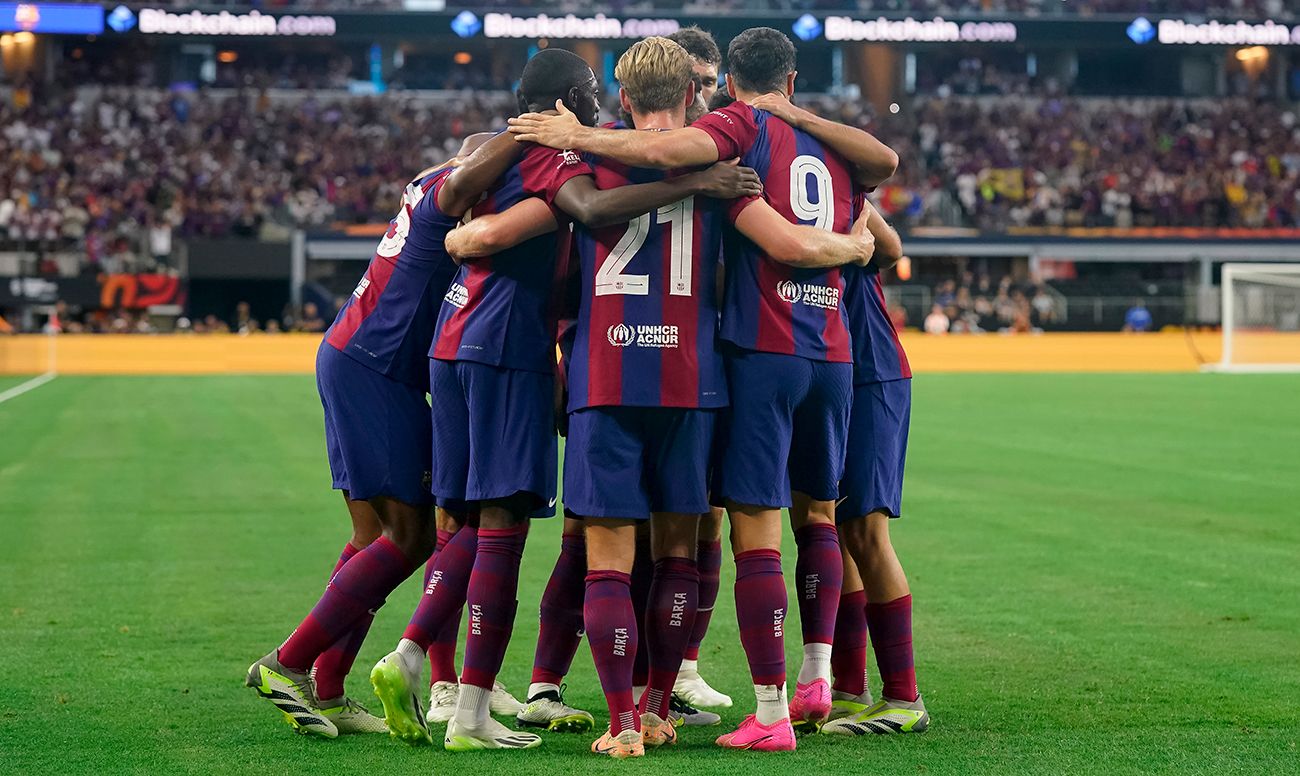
point(612, 632)
point(819, 573)
point(491, 604)
point(889, 616)
point(558, 638)
point(760, 612)
point(669, 618)
point(691, 690)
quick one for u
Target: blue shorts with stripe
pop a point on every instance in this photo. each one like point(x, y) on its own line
point(786, 429)
point(376, 430)
point(628, 462)
point(877, 449)
point(493, 433)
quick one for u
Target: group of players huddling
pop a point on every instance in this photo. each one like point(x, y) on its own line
point(722, 340)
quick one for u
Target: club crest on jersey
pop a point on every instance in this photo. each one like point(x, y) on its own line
point(652, 335)
point(457, 296)
point(568, 158)
point(809, 294)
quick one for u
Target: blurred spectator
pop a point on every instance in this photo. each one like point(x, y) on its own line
point(1138, 318)
point(310, 319)
point(937, 321)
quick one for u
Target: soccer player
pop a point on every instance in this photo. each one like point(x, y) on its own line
point(790, 367)
point(372, 380)
point(691, 689)
point(494, 443)
point(639, 448)
point(871, 491)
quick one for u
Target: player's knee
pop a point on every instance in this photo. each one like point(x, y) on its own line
point(674, 536)
point(410, 527)
point(362, 536)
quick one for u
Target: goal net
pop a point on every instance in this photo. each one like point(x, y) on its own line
point(1261, 318)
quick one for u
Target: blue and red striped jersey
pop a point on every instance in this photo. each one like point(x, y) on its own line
point(877, 354)
point(502, 310)
point(387, 323)
point(769, 306)
point(648, 311)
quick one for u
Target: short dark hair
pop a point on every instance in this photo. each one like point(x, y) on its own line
point(549, 76)
point(759, 59)
point(698, 43)
point(720, 100)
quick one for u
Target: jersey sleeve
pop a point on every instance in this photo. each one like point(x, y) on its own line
point(732, 128)
point(544, 171)
point(737, 206)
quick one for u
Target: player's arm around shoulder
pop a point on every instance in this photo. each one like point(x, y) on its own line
point(476, 174)
point(686, 147)
point(801, 246)
point(594, 207)
point(872, 161)
point(889, 246)
point(491, 234)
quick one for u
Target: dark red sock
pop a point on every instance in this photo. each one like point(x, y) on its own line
point(890, 625)
point(643, 572)
point(560, 630)
point(760, 612)
point(444, 595)
point(490, 601)
point(332, 667)
point(849, 653)
point(442, 653)
point(359, 587)
point(708, 559)
point(670, 615)
point(612, 633)
point(818, 576)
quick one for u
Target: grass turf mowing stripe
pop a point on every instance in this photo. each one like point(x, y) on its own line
point(1103, 568)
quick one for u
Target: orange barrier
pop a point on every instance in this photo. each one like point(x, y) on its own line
point(296, 353)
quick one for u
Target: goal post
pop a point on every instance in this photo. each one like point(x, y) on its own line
point(1261, 318)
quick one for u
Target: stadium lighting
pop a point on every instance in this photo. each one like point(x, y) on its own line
point(1252, 53)
point(24, 38)
point(463, 58)
point(6, 41)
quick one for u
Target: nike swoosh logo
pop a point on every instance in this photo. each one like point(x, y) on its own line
point(605, 750)
point(550, 503)
point(756, 742)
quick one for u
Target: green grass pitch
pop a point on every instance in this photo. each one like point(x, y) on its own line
point(1106, 571)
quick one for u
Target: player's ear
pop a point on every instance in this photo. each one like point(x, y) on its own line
point(789, 83)
point(731, 88)
point(690, 94)
point(624, 101)
point(571, 99)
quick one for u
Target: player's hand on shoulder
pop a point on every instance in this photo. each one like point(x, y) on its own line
point(780, 106)
point(729, 180)
point(867, 243)
point(555, 130)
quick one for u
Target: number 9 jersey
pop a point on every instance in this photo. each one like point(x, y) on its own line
point(648, 311)
point(772, 307)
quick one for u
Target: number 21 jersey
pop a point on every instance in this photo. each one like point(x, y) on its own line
point(648, 313)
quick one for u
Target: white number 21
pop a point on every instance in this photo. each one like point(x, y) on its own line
point(680, 218)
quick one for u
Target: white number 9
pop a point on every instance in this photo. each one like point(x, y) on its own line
point(821, 212)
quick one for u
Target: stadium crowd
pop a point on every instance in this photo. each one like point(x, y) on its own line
point(206, 166)
point(1211, 8)
point(247, 165)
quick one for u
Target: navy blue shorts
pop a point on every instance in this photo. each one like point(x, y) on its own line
point(873, 467)
point(631, 461)
point(376, 430)
point(787, 428)
point(493, 433)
